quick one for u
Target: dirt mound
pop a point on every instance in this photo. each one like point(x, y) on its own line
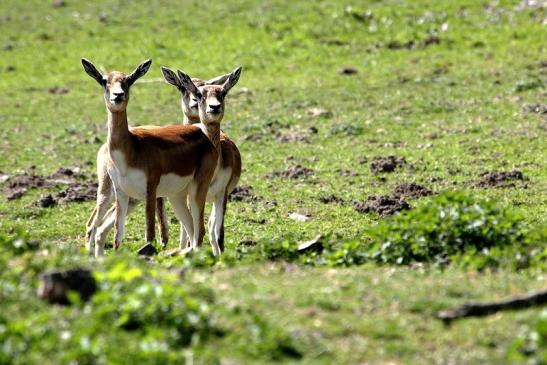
point(243, 193)
point(78, 192)
point(383, 205)
point(46, 201)
point(386, 164)
point(18, 185)
point(411, 190)
point(331, 199)
point(75, 190)
point(536, 108)
point(64, 172)
point(500, 179)
point(295, 172)
point(27, 181)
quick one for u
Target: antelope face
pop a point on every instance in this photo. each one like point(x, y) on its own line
point(211, 104)
point(190, 101)
point(210, 96)
point(116, 84)
point(116, 91)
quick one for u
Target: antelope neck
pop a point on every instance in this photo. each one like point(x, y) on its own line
point(212, 131)
point(118, 130)
point(188, 120)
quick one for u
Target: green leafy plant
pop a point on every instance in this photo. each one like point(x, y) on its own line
point(450, 226)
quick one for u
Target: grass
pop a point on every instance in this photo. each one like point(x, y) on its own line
point(453, 110)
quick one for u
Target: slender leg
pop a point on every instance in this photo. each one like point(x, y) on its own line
point(183, 215)
point(184, 240)
point(162, 218)
point(211, 225)
point(151, 211)
point(220, 212)
point(198, 194)
point(122, 201)
point(90, 225)
point(104, 199)
point(109, 220)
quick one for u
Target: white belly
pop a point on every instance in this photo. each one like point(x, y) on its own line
point(218, 184)
point(172, 184)
point(133, 181)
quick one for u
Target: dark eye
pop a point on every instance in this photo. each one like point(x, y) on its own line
point(199, 96)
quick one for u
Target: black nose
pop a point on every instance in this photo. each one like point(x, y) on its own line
point(215, 108)
point(119, 95)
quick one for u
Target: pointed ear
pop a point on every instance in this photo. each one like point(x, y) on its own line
point(187, 83)
point(92, 71)
point(171, 78)
point(232, 79)
point(139, 72)
point(219, 80)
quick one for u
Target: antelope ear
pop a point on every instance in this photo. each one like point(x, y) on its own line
point(219, 80)
point(139, 72)
point(171, 78)
point(92, 71)
point(188, 84)
point(232, 79)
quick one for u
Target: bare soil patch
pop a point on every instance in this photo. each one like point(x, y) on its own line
point(411, 190)
point(294, 172)
point(500, 179)
point(326, 199)
point(76, 188)
point(243, 193)
point(381, 164)
point(536, 109)
point(382, 205)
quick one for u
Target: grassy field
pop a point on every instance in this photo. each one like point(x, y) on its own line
point(455, 88)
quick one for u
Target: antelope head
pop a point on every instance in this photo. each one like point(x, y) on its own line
point(189, 100)
point(210, 97)
point(116, 84)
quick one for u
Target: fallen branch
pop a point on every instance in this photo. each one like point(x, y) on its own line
point(485, 309)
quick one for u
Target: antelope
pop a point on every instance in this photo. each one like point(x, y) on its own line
point(176, 161)
point(101, 221)
point(210, 101)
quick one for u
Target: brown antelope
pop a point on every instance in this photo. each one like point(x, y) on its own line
point(101, 221)
point(176, 161)
point(210, 100)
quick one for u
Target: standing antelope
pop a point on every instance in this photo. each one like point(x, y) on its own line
point(177, 161)
point(101, 221)
point(210, 100)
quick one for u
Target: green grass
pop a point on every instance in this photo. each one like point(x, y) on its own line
point(453, 110)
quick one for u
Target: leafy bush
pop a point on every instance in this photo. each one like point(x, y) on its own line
point(347, 254)
point(141, 313)
point(450, 226)
point(17, 242)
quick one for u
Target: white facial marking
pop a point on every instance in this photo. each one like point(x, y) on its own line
point(213, 105)
point(115, 92)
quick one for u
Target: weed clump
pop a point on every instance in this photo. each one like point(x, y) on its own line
point(451, 226)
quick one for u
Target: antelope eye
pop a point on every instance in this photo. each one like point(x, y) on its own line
point(199, 96)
